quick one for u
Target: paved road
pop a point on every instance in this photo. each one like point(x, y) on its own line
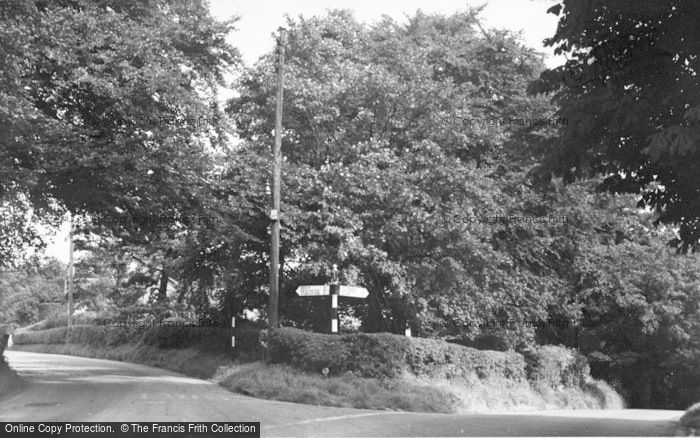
point(67, 388)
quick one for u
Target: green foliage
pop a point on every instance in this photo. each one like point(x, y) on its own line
point(368, 355)
point(556, 365)
point(607, 396)
point(385, 355)
point(108, 110)
point(632, 302)
point(282, 382)
point(22, 290)
point(432, 357)
point(475, 379)
point(96, 103)
point(96, 95)
point(371, 167)
point(205, 339)
point(61, 320)
point(18, 231)
point(629, 90)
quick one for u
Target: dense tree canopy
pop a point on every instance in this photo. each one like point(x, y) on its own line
point(23, 289)
point(105, 107)
point(380, 147)
point(630, 91)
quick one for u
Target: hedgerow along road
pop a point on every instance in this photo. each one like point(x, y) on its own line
point(68, 388)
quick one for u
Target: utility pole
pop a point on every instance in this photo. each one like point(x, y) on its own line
point(70, 272)
point(273, 320)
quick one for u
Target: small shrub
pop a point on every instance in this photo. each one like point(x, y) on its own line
point(555, 365)
point(435, 358)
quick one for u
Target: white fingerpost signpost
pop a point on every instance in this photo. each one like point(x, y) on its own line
point(335, 290)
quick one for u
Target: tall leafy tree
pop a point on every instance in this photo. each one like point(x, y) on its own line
point(105, 108)
point(630, 91)
point(380, 148)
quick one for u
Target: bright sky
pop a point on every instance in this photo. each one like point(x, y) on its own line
point(260, 19)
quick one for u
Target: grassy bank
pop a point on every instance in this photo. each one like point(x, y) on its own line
point(409, 393)
point(283, 382)
point(377, 371)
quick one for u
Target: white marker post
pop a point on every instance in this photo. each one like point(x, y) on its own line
point(335, 291)
point(334, 308)
point(233, 336)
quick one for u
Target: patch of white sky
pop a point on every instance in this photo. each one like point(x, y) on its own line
point(259, 20)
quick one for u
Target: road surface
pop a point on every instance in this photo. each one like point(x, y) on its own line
point(68, 388)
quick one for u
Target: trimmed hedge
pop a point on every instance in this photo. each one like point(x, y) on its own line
point(368, 355)
point(442, 359)
point(378, 355)
point(386, 355)
point(164, 337)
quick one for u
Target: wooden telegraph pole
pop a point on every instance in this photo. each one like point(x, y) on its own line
point(273, 320)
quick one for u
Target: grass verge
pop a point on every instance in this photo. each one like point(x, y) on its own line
point(282, 382)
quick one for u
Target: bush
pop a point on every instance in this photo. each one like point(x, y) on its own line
point(385, 355)
point(61, 320)
point(435, 358)
point(377, 355)
point(555, 365)
point(368, 355)
point(205, 339)
point(51, 336)
point(485, 341)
